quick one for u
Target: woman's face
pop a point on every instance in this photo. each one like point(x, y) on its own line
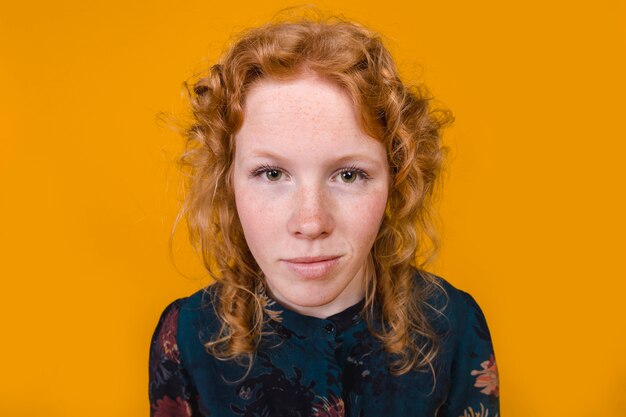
point(311, 190)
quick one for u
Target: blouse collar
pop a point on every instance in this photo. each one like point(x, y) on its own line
point(304, 325)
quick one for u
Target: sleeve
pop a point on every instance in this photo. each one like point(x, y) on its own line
point(170, 390)
point(474, 388)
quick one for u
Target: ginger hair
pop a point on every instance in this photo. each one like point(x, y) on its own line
point(401, 116)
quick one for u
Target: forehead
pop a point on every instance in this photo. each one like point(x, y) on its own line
point(307, 93)
point(305, 109)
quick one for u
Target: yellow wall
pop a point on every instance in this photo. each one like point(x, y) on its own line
point(533, 212)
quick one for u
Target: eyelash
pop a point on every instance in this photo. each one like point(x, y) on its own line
point(359, 172)
point(266, 168)
point(263, 169)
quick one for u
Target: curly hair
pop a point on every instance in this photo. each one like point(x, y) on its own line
point(401, 116)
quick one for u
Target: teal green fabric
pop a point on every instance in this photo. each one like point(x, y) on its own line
point(308, 366)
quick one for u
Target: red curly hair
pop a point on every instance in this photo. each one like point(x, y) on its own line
point(402, 117)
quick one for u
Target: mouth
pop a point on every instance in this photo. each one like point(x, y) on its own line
point(313, 267)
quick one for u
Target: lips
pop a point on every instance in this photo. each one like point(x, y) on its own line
point(312, 267)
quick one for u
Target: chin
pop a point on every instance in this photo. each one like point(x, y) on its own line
point(310, 301)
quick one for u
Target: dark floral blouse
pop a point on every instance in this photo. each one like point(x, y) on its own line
point(320, 367)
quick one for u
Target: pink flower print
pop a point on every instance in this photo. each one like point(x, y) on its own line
point(167, 337)
point(487, 378)
point(329, 407)
point(168, 407)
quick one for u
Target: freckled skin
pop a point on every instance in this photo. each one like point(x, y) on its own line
point(308, 183)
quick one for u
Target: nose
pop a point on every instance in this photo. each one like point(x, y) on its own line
point(311, 216)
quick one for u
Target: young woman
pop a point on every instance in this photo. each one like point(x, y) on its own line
point(311, 169)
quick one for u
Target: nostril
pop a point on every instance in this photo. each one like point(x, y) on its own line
point(311, 226)
point(311, 217)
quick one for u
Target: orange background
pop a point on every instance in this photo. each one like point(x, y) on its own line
point(533, 211)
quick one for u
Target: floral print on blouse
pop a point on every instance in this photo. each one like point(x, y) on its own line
point(311, 367)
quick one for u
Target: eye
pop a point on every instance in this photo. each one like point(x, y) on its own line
point(273, 174)
point(350, 175)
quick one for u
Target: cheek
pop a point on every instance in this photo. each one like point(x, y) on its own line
point(247, 210)
point(363, 219)
point(255, 215)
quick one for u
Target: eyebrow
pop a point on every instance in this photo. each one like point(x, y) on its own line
point(265, 153)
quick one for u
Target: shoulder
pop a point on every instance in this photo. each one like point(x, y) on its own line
point(164, 344)
point(200, 303)
point(171, 385)
point(185, 319)
point(191, 322)
point(466, 361)
point(450, 306)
